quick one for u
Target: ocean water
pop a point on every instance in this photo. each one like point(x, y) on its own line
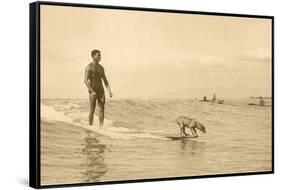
point(133, 144)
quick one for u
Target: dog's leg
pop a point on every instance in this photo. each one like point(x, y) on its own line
point(192, 128)
point(186, 134)
point(181, 129)
point(194, 133)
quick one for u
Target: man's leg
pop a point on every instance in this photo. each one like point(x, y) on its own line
point(93, 97)
point(101, 102)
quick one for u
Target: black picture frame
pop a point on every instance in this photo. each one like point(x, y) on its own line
point(34, 91)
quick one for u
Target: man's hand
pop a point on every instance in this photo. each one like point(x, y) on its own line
point(92, 91)
point(110, 94)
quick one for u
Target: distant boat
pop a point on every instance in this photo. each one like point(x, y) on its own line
point(204, 100)
point(214, 102)
point(253, 104)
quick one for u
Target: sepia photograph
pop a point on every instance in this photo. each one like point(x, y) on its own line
point(142, 94)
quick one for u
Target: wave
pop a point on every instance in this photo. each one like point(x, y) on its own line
point(69, 113)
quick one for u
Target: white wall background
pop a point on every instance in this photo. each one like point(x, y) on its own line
point(14, 93)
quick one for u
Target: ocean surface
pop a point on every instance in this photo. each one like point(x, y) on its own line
point(133, 144)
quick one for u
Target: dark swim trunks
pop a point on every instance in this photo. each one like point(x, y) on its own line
point(99, 96)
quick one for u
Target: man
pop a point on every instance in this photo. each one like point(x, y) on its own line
point(214, 98)
point(94, 75)
point(262, 102)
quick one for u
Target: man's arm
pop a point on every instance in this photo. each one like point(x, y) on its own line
point(106, 84)
point(86, 81)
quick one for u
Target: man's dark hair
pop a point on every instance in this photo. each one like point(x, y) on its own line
point(94, 52)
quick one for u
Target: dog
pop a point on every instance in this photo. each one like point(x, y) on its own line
point(184, 122)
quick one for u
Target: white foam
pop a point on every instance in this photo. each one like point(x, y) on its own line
point(79, 119)
point(50, 114)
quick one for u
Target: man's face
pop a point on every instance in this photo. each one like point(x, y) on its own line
point(97, 57)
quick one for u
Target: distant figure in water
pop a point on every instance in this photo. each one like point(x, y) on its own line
point(214, 98)
point(205, 99)
point(220, 101)
point(262, 102)
point(94, 75)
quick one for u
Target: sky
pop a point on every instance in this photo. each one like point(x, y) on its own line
point(153, 54)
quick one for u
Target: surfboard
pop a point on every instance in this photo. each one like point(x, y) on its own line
point(180, 137)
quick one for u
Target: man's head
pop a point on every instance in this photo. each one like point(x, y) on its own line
point(96, 55)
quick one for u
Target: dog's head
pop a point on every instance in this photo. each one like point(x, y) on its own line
point(201, 127)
